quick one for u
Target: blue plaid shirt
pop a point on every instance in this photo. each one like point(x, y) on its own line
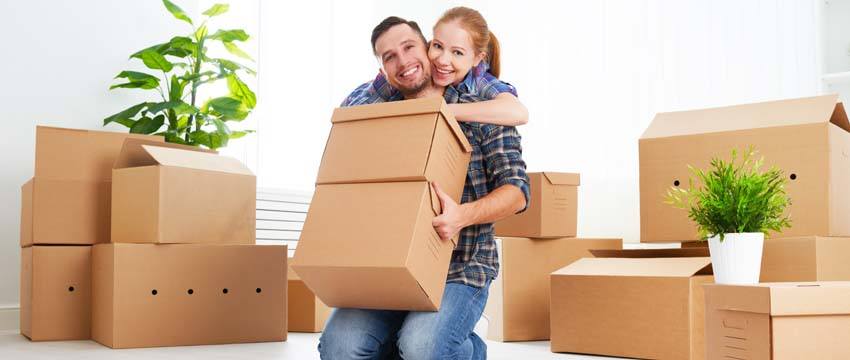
point(496, 161)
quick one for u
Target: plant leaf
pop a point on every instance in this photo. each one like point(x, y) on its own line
point(147, 125)
point(179, 107)
point(201, 32)
point(155, 60)
point(216, 10)
point(176, 11)
point(230, 35)
point(126, 114)
point(235, 50)
point(136, 80)
point(230, 108)
point(232, 65)
point(210, 140)
point(239, 90)
point(238, 134)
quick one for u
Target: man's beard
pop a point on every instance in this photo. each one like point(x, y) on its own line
point(412, 91)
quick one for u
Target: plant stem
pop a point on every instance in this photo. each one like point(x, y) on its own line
point(196, 69)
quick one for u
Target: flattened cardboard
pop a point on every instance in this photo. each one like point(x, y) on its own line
point(412, 140)
point(168, 194)
point(372, 246)
point(807, 138)
point(518, 305)
point(552, 210)
point(56, 292)
point(305, 312)
point(808, 258)
point(791, 320)
point(147, 295)
point(630, 307)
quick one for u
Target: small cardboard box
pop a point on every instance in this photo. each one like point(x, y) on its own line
point(396, 141)
point(805, 320)
point(67, 200)
point(633, 306)
point(552, 211)
point(146, 295)
point(518, 306)
point(56, 292)
point(372, 246)
point(808, 258)
point(306, 313)
point(807, 138)
point(173, 194)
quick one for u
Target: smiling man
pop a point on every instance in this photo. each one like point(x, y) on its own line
point(496, 187)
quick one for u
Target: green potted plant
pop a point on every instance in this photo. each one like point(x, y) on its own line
point(735, 204)
point(178, 68)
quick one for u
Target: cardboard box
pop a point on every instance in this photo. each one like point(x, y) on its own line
point(518, 306)
point(807, 138)
point(146, 295)
point(552, 211)
point(67, 201)
point(306, 313)
point(372, 246)
point(804, 320)
point(633, 306)
point(412, 140)
point(171, 193)
point(56, 292)
point(808, 258)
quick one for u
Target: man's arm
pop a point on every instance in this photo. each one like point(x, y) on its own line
point(502, 202)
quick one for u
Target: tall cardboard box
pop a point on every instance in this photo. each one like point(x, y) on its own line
point(372, 246)
point(146, 295)
point(305, 312)
point(807, 138)
point(169, 193)
point(56, 292)
point(518, 306)
point(806, 258)
point(552, 211)
point(806, 320)
point(67, 200)
point(641, 307)
point(411, 140)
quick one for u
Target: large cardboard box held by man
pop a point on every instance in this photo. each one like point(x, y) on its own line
point(169, 193)
point(373, 246)
point(781, 321)
point(306, 313)
point(412, 140)
point(807, 138)
point(146, 295)
point(67, 200)
point(806, 258)
point(640, 305)
point(552, 210)
point(518, 305)
point(56, 292)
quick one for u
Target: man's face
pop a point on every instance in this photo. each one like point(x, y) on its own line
point(404, 60)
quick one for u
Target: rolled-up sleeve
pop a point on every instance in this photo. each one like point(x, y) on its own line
point(489, 86)
point(502, 151)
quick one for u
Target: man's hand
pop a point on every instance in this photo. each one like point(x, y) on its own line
point(453, 217)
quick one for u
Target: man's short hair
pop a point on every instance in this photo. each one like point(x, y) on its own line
point(389, 23)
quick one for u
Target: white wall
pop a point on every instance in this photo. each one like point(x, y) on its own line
point(58, 60)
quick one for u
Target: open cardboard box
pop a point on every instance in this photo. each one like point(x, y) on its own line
point(552, 210)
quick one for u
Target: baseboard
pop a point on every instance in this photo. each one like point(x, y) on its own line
point(10, 318)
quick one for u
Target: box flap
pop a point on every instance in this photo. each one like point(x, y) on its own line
point(133, 155)
point(809, 110)
point(650, 253)
point(645, 267)
point(196, 160)
point(402, 108)
point(558, 178)
point(809, 298)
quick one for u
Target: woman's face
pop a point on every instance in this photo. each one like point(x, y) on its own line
point(452, 54)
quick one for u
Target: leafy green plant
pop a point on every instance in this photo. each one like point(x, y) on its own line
point(185, 67)
point(734, 197)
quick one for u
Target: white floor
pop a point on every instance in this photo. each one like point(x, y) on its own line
point(299, 346)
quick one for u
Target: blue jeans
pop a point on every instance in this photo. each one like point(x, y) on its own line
point(409, 335)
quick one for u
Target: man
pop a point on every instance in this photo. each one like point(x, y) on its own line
point(496, 187)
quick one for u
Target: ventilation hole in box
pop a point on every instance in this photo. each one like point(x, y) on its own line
point(676, 183)
point(191, 291)
point(793, 176)
point(153, 292)
point(71, 289)
point(224, 290)
point(259, 290)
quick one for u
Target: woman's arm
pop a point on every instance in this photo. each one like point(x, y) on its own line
point(504, 109)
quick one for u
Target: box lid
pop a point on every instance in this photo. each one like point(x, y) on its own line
point(650, 253)
point(809, 110)
point(402, 108)
point(784, 299)
point(559, 178)
point(642, 267)
point(140, 153)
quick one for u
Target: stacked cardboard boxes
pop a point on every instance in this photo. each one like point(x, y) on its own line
point(368, 241)
point(532, 245)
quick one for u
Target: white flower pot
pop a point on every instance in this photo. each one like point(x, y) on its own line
point(737, 259)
